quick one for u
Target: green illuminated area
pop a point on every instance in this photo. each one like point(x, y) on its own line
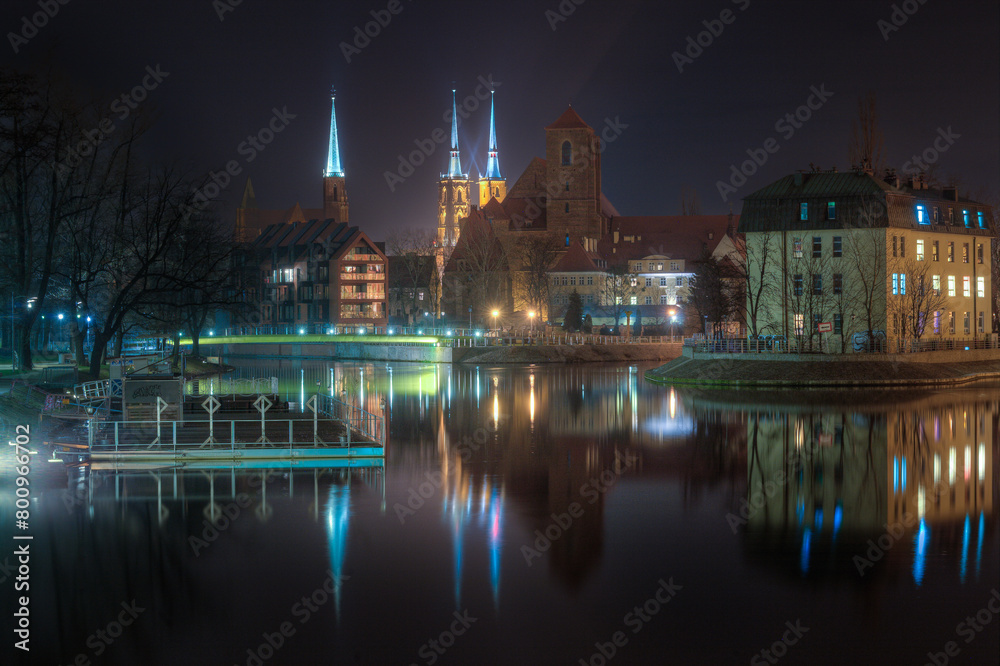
point(299, 339)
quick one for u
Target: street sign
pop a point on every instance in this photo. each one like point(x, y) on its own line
point(825, 327)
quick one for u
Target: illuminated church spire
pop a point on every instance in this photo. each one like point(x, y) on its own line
point(333, 167)
point(493, 161)
point(455, 163)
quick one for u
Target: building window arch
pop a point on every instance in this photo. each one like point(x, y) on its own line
point(567, 153)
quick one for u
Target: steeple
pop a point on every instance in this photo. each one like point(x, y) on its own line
point(333, 157)
point(455, 163)
point(492, 162)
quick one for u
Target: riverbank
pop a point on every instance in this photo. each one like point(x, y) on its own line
point(620, 353)
point(884, 370)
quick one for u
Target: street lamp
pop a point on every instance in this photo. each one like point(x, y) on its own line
point(531, 318)
point(496, 313)
point(670, 313)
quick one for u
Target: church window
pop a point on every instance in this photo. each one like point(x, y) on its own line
point(566, 208)
point(498, 193)
point(567, 153)
point(460, 196)
point(567, 240)
point(567, 186)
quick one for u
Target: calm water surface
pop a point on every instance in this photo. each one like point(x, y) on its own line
point(537, 515)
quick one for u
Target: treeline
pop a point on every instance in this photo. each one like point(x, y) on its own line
point(91, 228)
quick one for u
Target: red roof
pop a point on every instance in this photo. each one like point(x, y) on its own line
point(570, 119)
point(577, 260)
point(675, 236)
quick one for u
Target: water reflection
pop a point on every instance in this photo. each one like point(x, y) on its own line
point(720, 489)
point(915, 478)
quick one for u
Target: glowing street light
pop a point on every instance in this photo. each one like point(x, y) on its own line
point(531, 318)
point(670, 313)
point(496, 313)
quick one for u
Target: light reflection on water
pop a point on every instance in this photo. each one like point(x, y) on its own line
point(761, 507)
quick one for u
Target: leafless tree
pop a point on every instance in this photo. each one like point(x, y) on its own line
point(532, 257)
point(413, 271)
point(620, 283)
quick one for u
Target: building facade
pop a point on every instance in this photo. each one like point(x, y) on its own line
point(879, 263)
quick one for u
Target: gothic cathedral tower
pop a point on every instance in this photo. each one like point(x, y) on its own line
point(334, 184)
point(492, 184)
point(453, 190)
point(573, 168)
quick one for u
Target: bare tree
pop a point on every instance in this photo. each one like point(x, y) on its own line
point(757, 257)
point(480, 276)
point(915, 302)
point(535, 255)
point(414, 271)
point(866, 256)
point(716, 292)
point(867, 142)
point(618, 290)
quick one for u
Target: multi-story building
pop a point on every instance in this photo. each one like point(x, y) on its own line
point(320, 274)
point(872, 259)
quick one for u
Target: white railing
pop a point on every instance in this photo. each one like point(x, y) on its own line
point(237, 386)
point(363, 423)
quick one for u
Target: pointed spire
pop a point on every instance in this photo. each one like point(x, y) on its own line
point(333, 157)
point(455, 163)
point(249, 199)
point(493, 161)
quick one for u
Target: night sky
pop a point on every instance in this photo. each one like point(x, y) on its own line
point(611, 60)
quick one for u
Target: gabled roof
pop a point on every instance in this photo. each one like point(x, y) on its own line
point(531, 181)
point(823, 184)
point(476, 235)
point(292, 242)
point(685, 237)
point(570, 119)
point(577, 260)
point(495, 210)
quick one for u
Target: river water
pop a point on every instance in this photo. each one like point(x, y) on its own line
point(538, 515)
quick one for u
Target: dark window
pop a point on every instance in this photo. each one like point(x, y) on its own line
point(817, 284)
point(838, 283)
point(838, 246)
point(895, 246)
point(797, 282)
point(566, 209)
point(902, 246)
point(567, 153)
point(817, 247)
point(838, 328)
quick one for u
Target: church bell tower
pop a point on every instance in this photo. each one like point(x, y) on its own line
point(334, 184)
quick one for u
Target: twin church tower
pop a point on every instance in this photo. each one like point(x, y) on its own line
point(454, 188)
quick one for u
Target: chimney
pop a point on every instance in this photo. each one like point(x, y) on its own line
point(950, 192)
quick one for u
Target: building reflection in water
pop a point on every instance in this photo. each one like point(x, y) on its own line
point(915, 478)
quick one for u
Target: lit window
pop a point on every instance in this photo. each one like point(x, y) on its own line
point(937, 322)
point(902, 284)
point(965, 253)
point(951, 286)
point(982, 220)
point(797, 247)
point(632, 300)
point(951, 252)
point(804, 211)
point(966, 286)
point(965, 219)
point(936, 284)
point(920, 250)
point(935, 255)
point(922, 215)
point(895, 284)
point(799, 324)
point(981, 287)
point(831, 210)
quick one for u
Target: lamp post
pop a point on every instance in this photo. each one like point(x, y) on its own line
point(670, 313)
point(496, 313)
point(531, 318)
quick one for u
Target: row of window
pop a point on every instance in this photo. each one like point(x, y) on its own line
point(655, 265)
point(921, 211)
point(817, 247)
point(900, 247)
point(899, 285)
point(838, 325)
point(563, 299)
point(817, 284)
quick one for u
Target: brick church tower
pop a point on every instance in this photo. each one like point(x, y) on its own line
point(573, 174)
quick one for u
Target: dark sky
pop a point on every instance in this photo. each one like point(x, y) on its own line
point(611, 60)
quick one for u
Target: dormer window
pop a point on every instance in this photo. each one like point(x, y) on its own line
point(804, 212)
point(831, 210)
point(922, 215)
point(982, 220)
point(965, 217)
